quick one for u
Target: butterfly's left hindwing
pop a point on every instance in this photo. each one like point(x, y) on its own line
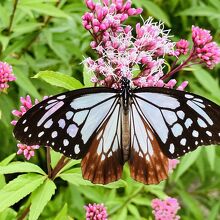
point(67, 122)
point(180, 121)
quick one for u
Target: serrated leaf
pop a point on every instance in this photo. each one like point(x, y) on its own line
point(18, 188)
point(40, 197)
point(186, 162)
point(42, 8)
point(59, 79)
point(21, 167)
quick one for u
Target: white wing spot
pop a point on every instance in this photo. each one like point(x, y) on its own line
point(51, 101)
point(53, 144)
point(183, 141)
point(200, 111)
point(172, 148)
point(198, 100)
point(72, 130)
point(196, 142)
point(60, 148)
point(76, 149)
point(177, 130)
point(50, 112)
point(79, 117)
point(47, 142)
point(219, 134)
point(30, 135)
point(195, 133)
point(69, 115)
point(169, 116)
point(147, 158)
point(41, 134)
point(201, 123)
point(65, 142)
point(24, 121)
point(110, 154)
point(25, 130)
point(181, 114)
point(199, 104)
point(54, 134)
point(103, 157)
point(188, 96)
point(62, 123)
point(64, 151)
point(48, 123)
point(61, 97)
point(209, 133)
point(188, 122)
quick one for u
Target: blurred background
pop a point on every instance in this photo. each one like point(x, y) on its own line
point(48, 35)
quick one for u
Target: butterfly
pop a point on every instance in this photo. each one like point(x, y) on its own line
point(107, 127)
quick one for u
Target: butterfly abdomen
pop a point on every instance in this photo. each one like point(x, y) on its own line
point(125, 135)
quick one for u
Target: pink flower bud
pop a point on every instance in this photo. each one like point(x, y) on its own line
point(127, 5)
point(90, 4)
point(131, 11)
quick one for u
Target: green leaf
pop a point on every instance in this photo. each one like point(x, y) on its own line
point(21, 167)
point(23, 81)
point(18, 188)
point(55, 157)
point(62, 215)
point(42, 8)
point(207, 81)
point(8, 214)
point(157, 12)
point(40, 197)
point(201, 11)
point(59, 79)
point(87, 77)
point(210, 152)
point(7, 160)
point(192, 204)
point(134, 211)
point(76, 178)
point(214, 213)
point(186, 162)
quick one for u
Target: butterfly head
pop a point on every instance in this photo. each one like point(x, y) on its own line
point(125, 83)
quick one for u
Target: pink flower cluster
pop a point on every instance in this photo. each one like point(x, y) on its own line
point(6, 75)
point(165, 209)
point(96, 212)
point(26, 102)
point(107, 15)
point(28, 151)
point(204, 48)
point(139, 54)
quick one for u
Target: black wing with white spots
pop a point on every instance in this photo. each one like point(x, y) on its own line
point(181, 121)
point(67, 122)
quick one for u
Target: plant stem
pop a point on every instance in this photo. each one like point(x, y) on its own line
point(61, 163)
point(181, 66)
point(48, 162)
point(24, 214)
point(126, 201)
point(12, 16)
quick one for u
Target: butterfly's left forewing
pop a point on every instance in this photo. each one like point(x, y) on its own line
point(180, 121)
point(67, 122)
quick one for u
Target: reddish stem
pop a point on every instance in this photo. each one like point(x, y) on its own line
point(178, 68)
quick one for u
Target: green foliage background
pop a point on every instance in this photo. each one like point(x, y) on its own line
point(48, 35)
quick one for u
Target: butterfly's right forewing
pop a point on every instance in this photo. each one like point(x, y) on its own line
point(67, 122)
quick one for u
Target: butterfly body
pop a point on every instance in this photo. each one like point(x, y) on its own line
point(107, 127)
